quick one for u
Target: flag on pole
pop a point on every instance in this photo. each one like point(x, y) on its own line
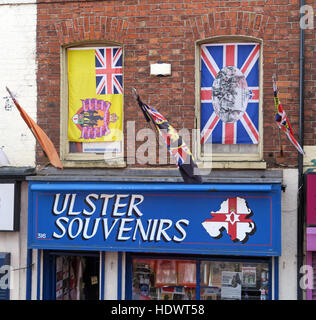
point(40, 136)
point(175, 144)
point(283, 121)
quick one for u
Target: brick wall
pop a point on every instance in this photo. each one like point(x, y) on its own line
point(310, 82)
point(165, 31)
point(18, 73)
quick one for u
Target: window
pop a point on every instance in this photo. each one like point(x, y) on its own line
point(227, 280)
point(217, 279)
point(92, 105)
point(229, 104)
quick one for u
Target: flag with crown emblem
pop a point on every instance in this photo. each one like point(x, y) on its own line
point(95, 87)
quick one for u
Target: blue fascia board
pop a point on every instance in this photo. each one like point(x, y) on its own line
point(86, 186)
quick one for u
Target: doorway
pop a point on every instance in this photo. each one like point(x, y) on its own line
point(72, 276)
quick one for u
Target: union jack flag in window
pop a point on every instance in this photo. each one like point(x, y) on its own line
point(108, 70)
point(230, 93)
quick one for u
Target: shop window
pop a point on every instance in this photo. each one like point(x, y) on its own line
point(222, 280)
point(229, 103)
point(177, 279)
point(92, 104)
point(162, 279)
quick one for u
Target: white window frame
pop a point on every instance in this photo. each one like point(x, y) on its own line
point(83, 159)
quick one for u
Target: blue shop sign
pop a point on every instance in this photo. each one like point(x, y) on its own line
point(203, 219)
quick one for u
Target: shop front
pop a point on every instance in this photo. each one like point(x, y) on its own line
point(154, 241)
point(311, 230)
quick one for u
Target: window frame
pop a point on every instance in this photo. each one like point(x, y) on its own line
point(83, 159)
point(227, 160)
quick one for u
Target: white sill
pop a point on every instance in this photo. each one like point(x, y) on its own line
point(93, 164)
point(232, 164)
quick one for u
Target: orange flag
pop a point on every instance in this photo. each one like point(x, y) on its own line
point(40, 136)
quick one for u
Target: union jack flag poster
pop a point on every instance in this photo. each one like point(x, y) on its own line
point(108, 70)
point(95, 90)
point(230, 93)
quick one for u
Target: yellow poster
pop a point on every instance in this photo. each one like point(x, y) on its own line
point(95, 86)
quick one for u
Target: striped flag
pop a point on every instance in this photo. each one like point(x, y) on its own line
point(283, 121)
point(175, 144)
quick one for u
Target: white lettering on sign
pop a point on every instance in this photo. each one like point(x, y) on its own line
point(123, 220)
point(69, 202)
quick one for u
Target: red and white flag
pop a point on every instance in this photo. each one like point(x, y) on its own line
point(283, 121)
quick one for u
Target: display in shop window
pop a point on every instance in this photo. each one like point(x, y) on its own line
point(186, 273)
point(219, 280)
point(166, 272)
point(230, 280)
point(160, 279)
point(249, 276)
point(231, 285)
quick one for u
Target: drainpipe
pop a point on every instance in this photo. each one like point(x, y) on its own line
point(300, 208)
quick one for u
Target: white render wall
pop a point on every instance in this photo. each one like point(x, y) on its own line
point(15, 243)
point(18, 73)
point(288, 261)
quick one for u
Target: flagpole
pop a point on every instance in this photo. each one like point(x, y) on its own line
point(19, 108)
point(40, 136)
point(280, 144)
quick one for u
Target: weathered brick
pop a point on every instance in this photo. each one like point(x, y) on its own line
point(154, 31)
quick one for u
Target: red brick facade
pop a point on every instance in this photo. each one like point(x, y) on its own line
point(165, 31)
point(310, 81)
